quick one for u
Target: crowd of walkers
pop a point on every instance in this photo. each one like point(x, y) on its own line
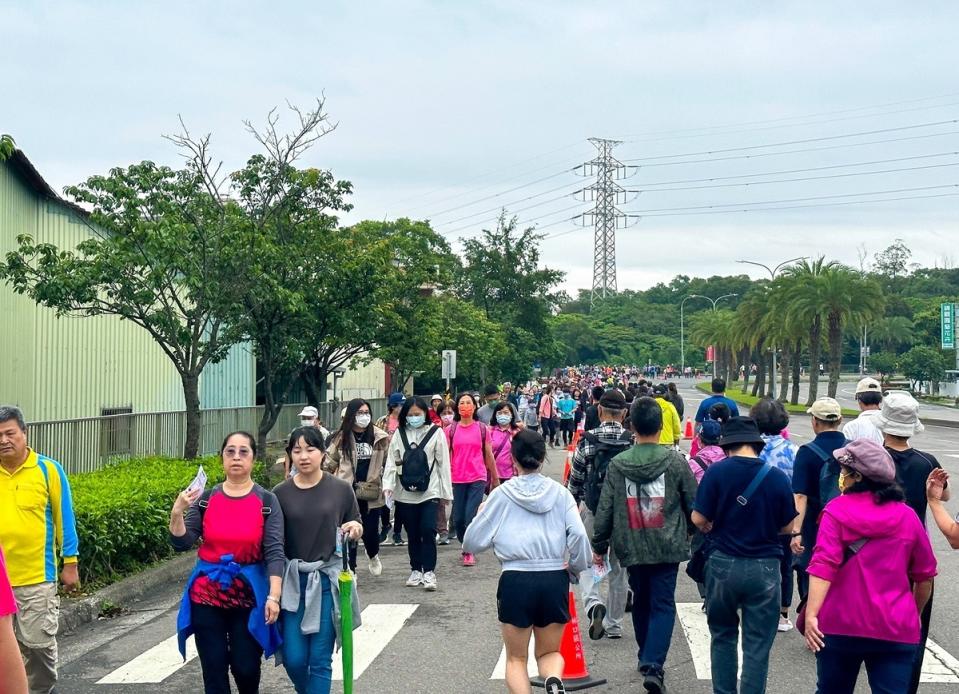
point(838, 523)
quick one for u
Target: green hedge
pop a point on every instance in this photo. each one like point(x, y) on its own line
point(741, 398)
point(123, 513)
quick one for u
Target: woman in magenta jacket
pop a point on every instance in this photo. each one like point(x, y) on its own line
point(869, 578)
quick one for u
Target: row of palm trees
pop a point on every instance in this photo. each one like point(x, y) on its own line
point(808, 306)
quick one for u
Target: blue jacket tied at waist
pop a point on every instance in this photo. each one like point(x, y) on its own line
point(223, 572)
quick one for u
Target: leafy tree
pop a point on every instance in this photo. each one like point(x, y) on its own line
point(807, 308)
point(501, 275)
point(883, 363)
point(923, 364)
point(894, 260)
point(158, 257)
point(7, 147)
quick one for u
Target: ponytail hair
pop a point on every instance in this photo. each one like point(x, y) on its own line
point(528, 449)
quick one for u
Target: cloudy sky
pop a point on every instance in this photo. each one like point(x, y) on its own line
point(451, 110)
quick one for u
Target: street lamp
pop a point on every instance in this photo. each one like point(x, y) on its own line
point(772, 275)
point(682, 341)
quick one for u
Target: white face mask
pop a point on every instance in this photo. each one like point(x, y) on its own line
point(363, 420)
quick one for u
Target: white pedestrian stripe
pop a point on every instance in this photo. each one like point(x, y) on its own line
point(693, 621)
point(938, 665)
point(380, 624)
point(953, 455)
point(499, 672)
point(152, 666)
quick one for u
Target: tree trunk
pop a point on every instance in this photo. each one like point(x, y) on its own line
point(815, 348)
point(835, 354)
point(759, 387)
point(310, 388)
point(191, 396)
point(745, 360)
point(784, 373)
point(797, 370)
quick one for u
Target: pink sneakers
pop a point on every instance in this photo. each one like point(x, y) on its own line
point(468, 559)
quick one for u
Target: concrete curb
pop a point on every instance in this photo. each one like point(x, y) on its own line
point(952, 423)
point(76, 612)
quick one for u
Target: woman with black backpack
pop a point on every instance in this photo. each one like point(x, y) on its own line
point(417, 479)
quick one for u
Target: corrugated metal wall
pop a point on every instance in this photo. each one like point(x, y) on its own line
point(230, 383)
point(74, 367)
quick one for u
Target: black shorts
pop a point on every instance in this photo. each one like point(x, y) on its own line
point(533, 598)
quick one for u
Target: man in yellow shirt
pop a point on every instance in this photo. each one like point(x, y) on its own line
point(37, 530)
point(671, 425)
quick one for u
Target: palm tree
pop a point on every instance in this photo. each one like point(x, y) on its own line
point(892, 332)
point(786, 333)
point(806, 308)
point(846, 298)
point(714, 328)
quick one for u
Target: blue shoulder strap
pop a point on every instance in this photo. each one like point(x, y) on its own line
point(743, 498)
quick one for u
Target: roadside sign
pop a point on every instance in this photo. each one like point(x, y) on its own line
point(449, 364)
point(948, 319)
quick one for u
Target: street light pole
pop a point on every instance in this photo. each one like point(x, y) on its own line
point(772, 275)
point(713, 302)
point(682, 334)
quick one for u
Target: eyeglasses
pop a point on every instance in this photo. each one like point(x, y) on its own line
point(234, 452)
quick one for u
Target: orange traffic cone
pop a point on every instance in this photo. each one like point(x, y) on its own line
point(575, 673)
point(569, 464)
point(689, 429)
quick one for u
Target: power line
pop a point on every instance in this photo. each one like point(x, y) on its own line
point(526, 221)
point(798, 151)
point(799, 142)
point(795, 180)
point(765, 209)
point(643, 213)
point(508, 206)
point(805, 170)
point(496, 195)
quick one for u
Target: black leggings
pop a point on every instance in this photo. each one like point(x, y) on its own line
point(370, 518)
point(549, 428)
point(419, 520)
point(223, 642)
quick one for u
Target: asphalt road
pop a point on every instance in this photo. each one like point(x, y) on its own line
point(448, 641)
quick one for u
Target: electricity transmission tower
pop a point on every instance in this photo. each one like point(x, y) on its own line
point(605, 217)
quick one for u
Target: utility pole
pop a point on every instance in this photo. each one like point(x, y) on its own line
point(605, 217)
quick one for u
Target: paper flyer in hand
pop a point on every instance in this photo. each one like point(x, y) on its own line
point(199, 482)
point(600, 570)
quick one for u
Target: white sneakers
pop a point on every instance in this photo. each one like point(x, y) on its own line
point(376, 566)
point(415, 579)
point(418, 578)
point(429, 581)
point(784, 625)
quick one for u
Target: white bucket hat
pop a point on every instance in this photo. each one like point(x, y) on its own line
point(899, 415)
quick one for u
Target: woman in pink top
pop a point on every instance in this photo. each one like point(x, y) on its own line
point(471, 462)
point(501, 436)
point(14, 680)
point(869, 578)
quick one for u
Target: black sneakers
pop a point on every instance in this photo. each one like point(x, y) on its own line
point(653, 682)
point(554, 685)
point(596, 616)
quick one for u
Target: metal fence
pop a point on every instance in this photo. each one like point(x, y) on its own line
point(85, 445)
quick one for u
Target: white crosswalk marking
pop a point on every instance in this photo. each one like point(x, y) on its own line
point(693, 621)
point(152, 666)
point(380, 624)
point(499, 672)
point(938, 664)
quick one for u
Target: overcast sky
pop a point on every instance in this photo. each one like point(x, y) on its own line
point(448, 110)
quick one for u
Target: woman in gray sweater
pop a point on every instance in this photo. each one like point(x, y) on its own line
point(533, 526)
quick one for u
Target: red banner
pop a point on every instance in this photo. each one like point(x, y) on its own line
point(710, 353)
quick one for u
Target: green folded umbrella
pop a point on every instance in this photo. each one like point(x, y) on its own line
point(346, 619)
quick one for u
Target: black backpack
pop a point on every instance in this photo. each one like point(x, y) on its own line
point(828, 474)
point(415, 470)
point(605, 451)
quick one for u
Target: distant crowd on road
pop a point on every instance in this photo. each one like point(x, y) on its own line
point(838, 522)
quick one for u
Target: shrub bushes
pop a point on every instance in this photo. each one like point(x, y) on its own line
point(123, 512)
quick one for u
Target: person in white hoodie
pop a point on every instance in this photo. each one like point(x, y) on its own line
point(533, 526)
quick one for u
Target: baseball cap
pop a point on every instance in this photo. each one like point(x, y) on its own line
point(396, 399)
point(660, 389)
point(826, 409)
point(309, 412)
point(868, 385)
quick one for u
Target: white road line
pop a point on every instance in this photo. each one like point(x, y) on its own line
point(499, 672)
point(152, 666)
point(953, 455)
point(380, 624)
point(938, 665)
point(693, 621)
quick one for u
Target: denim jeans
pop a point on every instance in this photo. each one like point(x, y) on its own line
point(786, 573)
point(615, 580)
point(419, 521)
point(654, 612)
point(888, 665)
point(467, 496)
point(754, 587)
point(308, 658)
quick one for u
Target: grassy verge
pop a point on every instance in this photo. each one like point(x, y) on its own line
point(748, 401)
